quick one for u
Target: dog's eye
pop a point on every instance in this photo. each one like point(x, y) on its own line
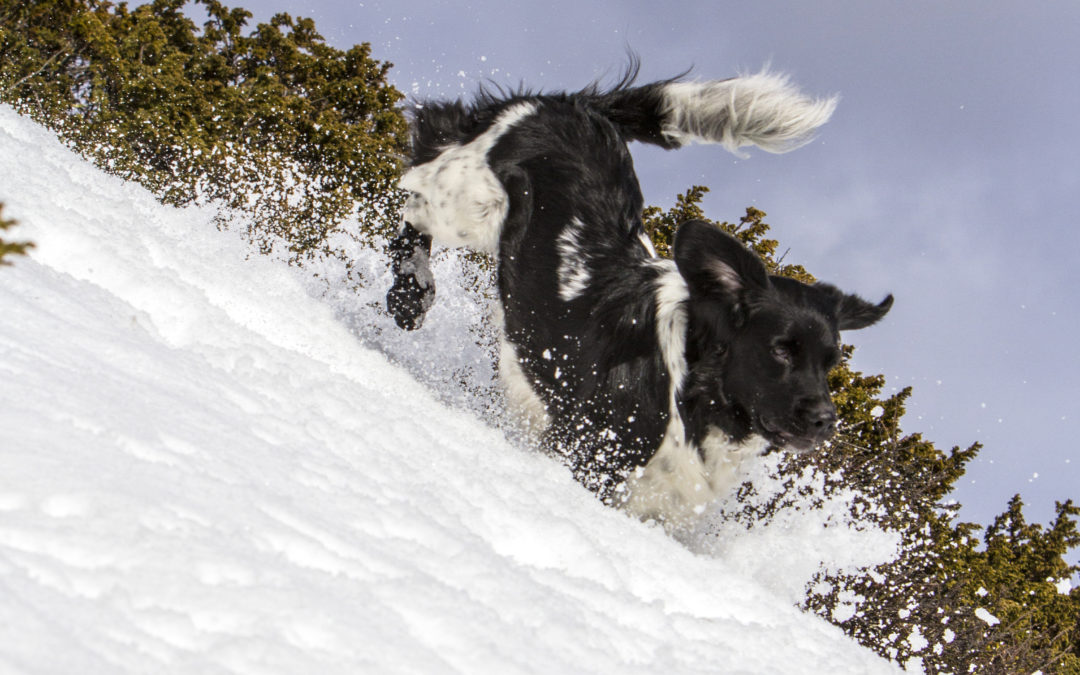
point(783, 354)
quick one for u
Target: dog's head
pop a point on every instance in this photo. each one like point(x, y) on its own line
point(759, 347)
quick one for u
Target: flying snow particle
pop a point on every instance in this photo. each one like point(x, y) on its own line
point(986, 617)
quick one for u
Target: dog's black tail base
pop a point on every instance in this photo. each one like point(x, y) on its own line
point(413, 292)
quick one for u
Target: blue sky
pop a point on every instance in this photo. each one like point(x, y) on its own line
point(949, 176)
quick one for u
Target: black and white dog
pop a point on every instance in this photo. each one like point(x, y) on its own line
point(653, 378)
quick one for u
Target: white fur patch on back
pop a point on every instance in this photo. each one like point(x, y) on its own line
point(765, 110)
point(573, 264)
point(456, 198)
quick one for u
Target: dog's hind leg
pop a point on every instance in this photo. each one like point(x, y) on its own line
point(413, 291)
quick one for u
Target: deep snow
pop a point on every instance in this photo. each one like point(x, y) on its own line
point(216, 464)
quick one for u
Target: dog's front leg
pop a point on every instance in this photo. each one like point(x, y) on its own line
point(413, 291)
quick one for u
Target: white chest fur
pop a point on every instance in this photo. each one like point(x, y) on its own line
point(680, 481)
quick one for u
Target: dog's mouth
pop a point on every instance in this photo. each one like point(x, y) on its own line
point(793, 441)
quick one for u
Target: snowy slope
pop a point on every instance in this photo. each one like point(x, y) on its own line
point(204, 469)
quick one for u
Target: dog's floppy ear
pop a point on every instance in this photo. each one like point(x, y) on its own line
point(852, 312)
point(715, 264)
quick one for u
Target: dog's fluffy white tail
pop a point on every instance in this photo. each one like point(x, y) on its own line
point(765, 110)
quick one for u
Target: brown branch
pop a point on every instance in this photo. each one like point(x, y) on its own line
point(20, 81)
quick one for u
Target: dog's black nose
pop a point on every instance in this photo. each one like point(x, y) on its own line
point(820, 418)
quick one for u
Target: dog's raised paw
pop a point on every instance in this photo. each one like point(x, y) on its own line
point(408, 301)
point(413, 291)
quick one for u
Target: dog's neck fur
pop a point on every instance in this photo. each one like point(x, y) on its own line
point(689, 470)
